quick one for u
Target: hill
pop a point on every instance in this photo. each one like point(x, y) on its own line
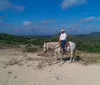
point(93, 34)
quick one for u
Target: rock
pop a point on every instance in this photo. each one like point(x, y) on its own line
point(15, 77)
point(28, 65)
point(49, 70)
point(10, 72)
point(5, 66)
point(55, 78)
point(20, 64)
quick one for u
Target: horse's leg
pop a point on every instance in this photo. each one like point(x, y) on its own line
point(71, 57)
point(62, 62)
point(60, 56)
point(44, 49)
point(55, 57)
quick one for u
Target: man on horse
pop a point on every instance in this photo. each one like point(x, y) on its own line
point(62, 41)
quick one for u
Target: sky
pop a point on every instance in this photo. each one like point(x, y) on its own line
point(45, 17)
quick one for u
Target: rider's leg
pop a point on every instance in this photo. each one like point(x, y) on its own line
point(63, 46)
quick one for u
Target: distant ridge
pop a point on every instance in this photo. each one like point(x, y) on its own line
point(93, 34)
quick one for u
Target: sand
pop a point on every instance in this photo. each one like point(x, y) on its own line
point(28, 74)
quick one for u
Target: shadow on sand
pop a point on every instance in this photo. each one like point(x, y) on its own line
point(76, 59)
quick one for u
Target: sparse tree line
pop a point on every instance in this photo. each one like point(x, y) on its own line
point(88, 44)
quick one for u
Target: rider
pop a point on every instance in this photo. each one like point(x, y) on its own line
point(63, 40)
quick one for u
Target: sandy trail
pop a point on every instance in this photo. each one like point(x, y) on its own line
point(67, 74)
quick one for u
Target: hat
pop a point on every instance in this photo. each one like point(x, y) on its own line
point(62, 30)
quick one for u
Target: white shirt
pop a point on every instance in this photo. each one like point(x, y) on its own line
point(63, 36)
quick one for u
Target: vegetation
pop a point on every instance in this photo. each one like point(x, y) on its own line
point(88, 43)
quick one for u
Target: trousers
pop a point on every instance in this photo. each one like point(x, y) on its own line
point(63, 42)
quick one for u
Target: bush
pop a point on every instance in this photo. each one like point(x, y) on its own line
point(30, 48)
point(94, 48)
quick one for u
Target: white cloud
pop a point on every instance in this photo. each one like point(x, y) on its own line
point(27, 23)
point(73, 27)
point(5, 4)
point(89, 26)
point(98, 18)
point(89, 19)
point(69, 3)
point(17, 29)
point(57, 28)
point(25, 27)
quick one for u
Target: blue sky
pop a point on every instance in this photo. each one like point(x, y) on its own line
point(44, 17)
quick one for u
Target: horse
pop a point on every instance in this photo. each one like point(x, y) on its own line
point(70, 47)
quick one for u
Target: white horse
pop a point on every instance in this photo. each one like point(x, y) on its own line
point(70, 47)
